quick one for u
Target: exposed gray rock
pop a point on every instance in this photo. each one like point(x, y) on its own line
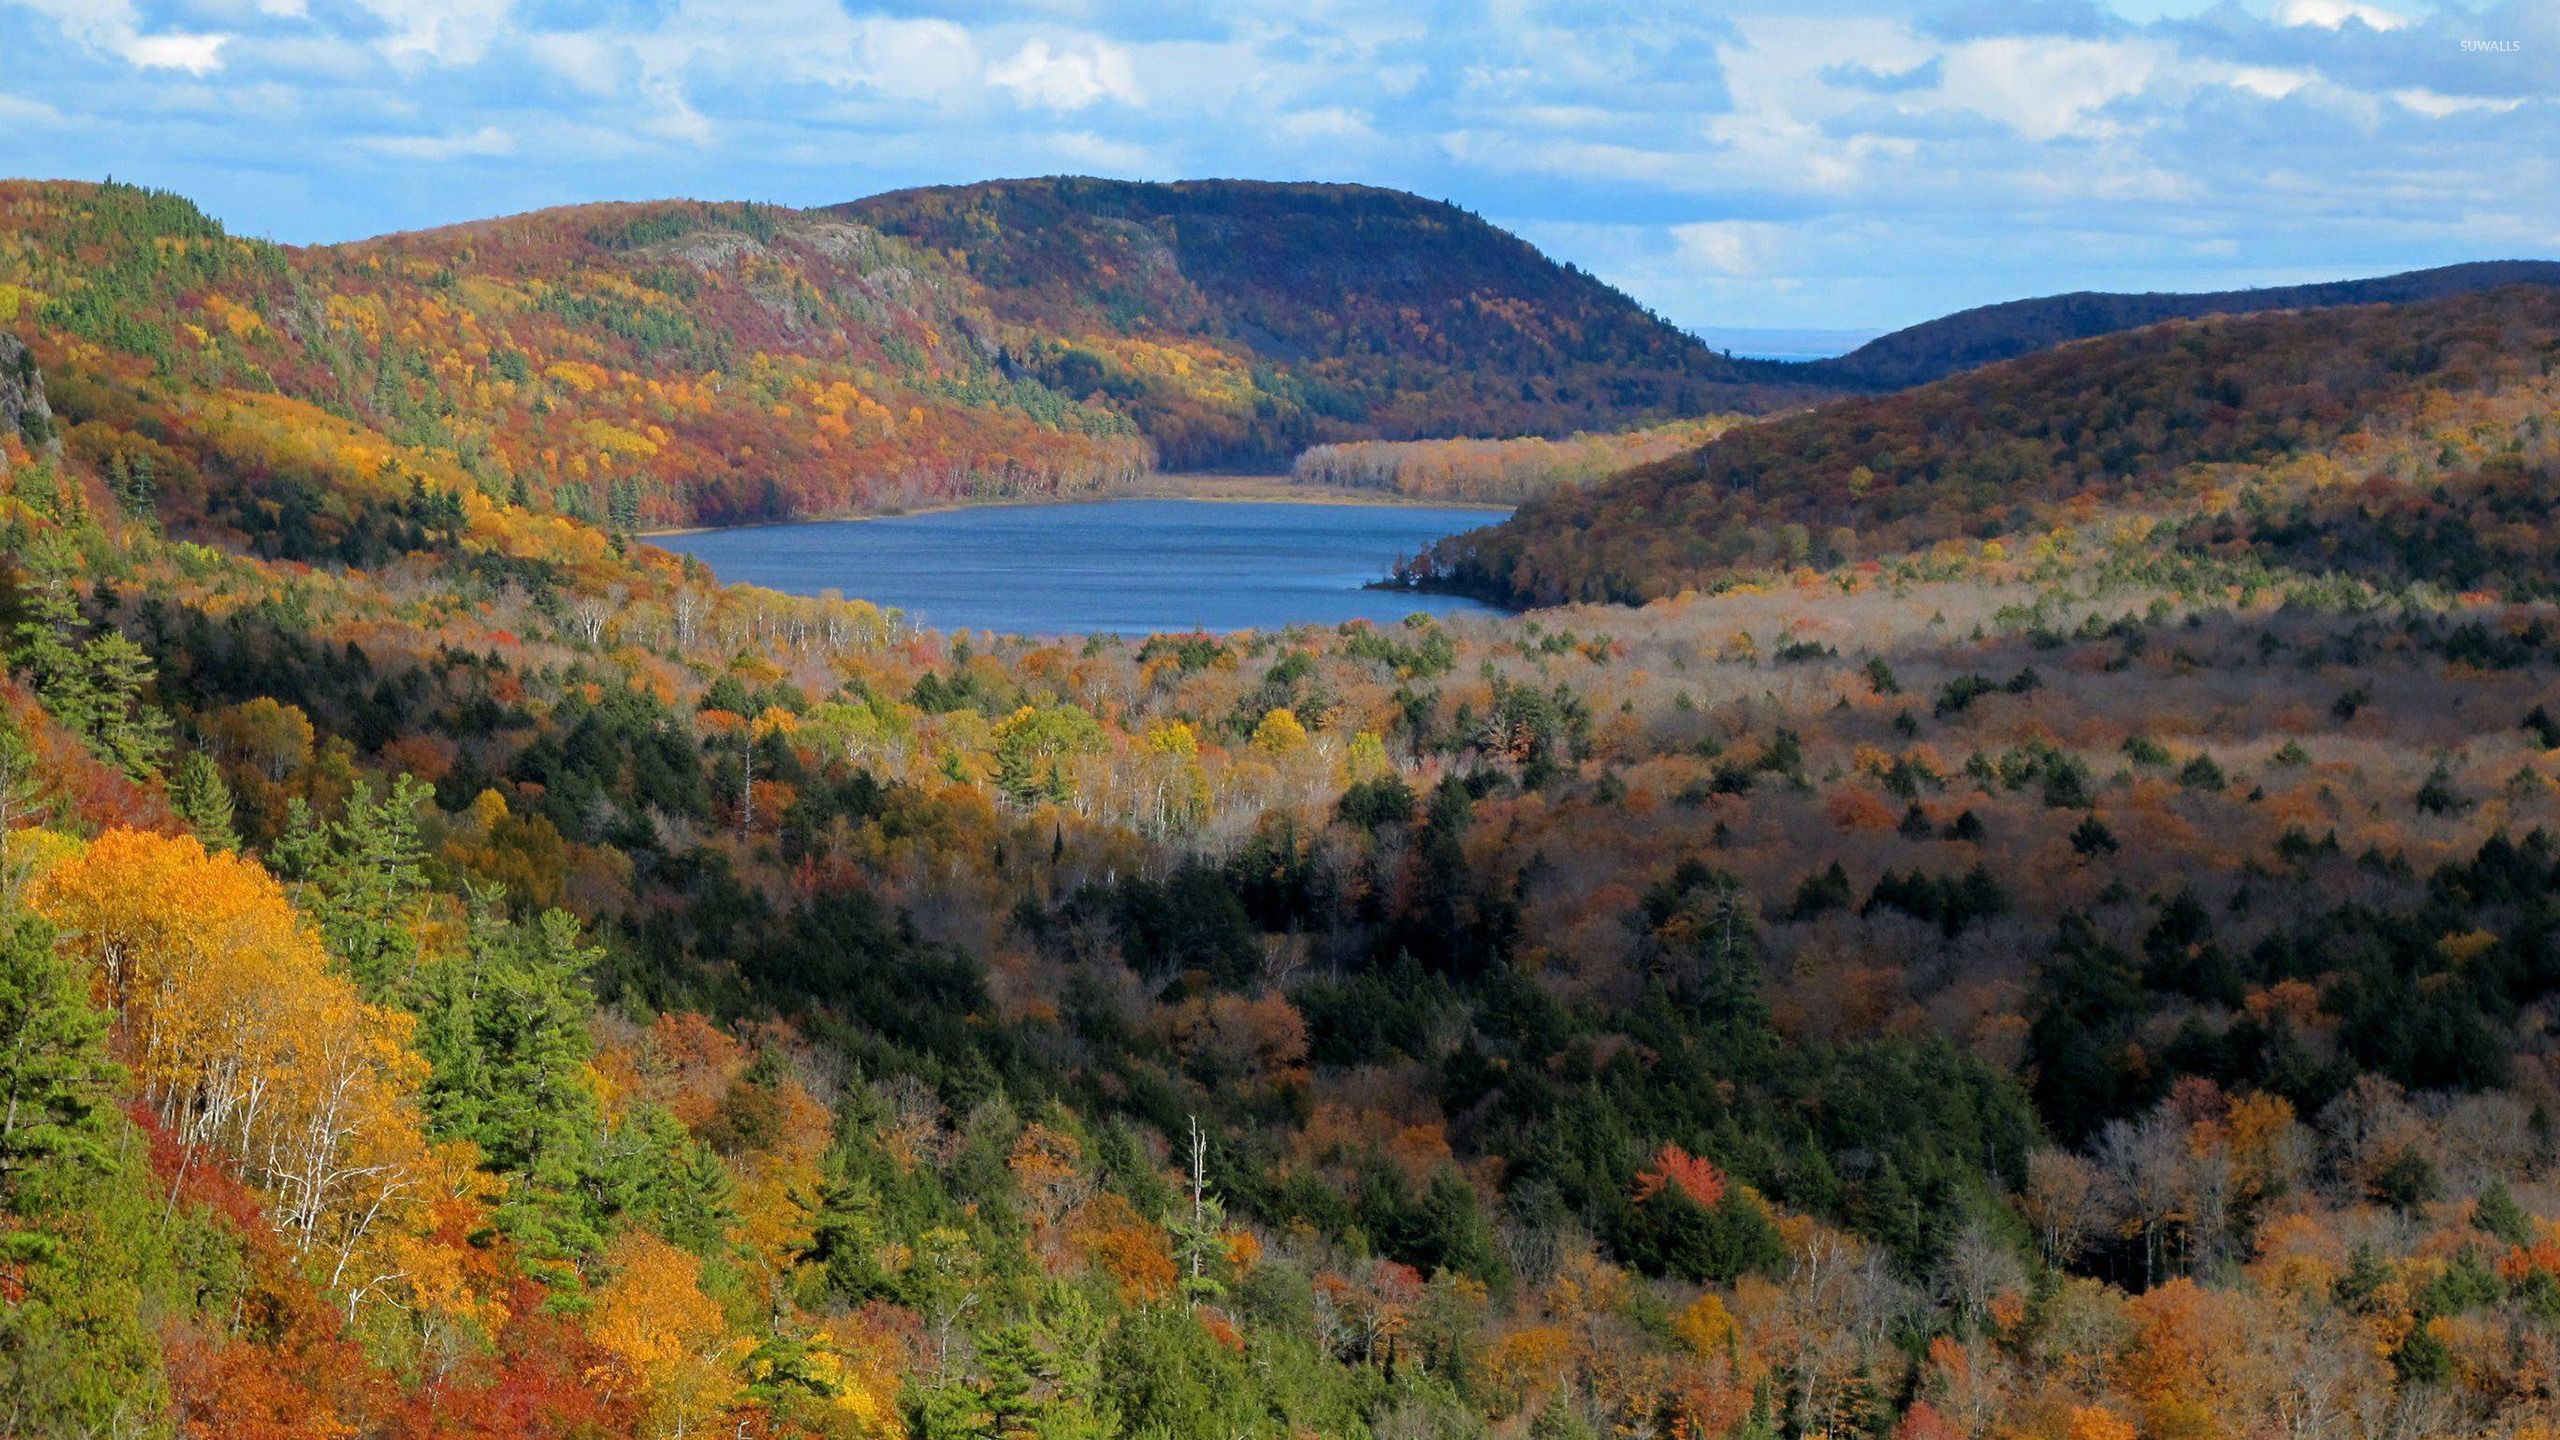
point(22, 403)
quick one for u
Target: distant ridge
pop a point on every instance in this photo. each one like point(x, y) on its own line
point(1988, 334)
point(1332, 312)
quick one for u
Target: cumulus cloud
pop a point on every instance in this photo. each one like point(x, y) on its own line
point(439, 32)
point(114, 27)
point(2335, 14)
point(1067, 80)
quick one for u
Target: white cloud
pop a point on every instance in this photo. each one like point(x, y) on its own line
point(2047, 88)
point(440, 32)
point(2335, 14)
point(195, 54)
point(676, 119)
point(19, 111)
point(2436, 105)
point(592, 64)
point(1726, 247)
point(113, 27)
point(2267, 81)
point(1084, 150)
point(1329, 122)
point(914, 59)
point(1066, 80)
point(487, 140)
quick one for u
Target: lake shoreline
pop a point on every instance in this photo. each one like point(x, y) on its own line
point(1197, 489)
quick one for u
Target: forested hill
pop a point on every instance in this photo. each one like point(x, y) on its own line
point(630, 365)
point(680, 362)
point(1986, 334)
point(2144, 421)
point(1241, 321)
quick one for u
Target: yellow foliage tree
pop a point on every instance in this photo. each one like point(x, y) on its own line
point(247, 1041)
point(1280, 733)
point(667, 1337)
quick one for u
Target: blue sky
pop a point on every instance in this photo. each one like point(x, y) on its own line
point(1844, 163)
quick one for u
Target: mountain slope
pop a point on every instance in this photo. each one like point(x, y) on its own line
point(1987, 334)
point(2139, 421)
point(1240, 321)
point(680, 363)
point(644, 364)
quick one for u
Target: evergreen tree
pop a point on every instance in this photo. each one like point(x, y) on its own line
point(76, 1223)
point(55, 1077)
point(364, 878)
point(91, 686)
point(1012, 1359)
point(1559, 1421)
point(203, 801)
point(21, 803)
point(503, 1025)
point(125, 730)
point(2499, 1215)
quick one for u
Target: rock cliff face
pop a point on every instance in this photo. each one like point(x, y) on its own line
point(22, 405)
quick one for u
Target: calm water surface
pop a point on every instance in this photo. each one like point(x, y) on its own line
point(1125, 566)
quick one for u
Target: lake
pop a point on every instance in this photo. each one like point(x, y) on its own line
point(1130, 567)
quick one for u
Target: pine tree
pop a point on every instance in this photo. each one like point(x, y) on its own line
point(2498, 1214)
point(92, 687)
point(503, 1026)
point(365, 878)
point(125, 730)
point(302, 847)
point(55, 1077)
point(1009, 1398)
point(77, 1234)
point(1559, 1421)
point(203, 801)
point(21, 803)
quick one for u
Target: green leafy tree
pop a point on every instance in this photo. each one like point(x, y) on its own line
point(1031, 746)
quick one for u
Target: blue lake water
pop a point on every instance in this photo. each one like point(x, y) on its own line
point(1129, 567)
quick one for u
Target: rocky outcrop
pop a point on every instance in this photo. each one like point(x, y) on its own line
point(23, 410)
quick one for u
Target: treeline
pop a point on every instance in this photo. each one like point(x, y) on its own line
point(1496, 470)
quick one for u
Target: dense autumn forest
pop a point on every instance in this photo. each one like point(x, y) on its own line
point(641, 366)
point(2265, 414)
point(1335, 312)
point(2071, 961)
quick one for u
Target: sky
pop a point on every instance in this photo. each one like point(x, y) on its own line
point(1848, 165)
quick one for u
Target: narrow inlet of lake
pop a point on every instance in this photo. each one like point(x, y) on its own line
point(1129, 567)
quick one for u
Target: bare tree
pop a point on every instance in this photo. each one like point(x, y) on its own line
point(2061, 1201)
